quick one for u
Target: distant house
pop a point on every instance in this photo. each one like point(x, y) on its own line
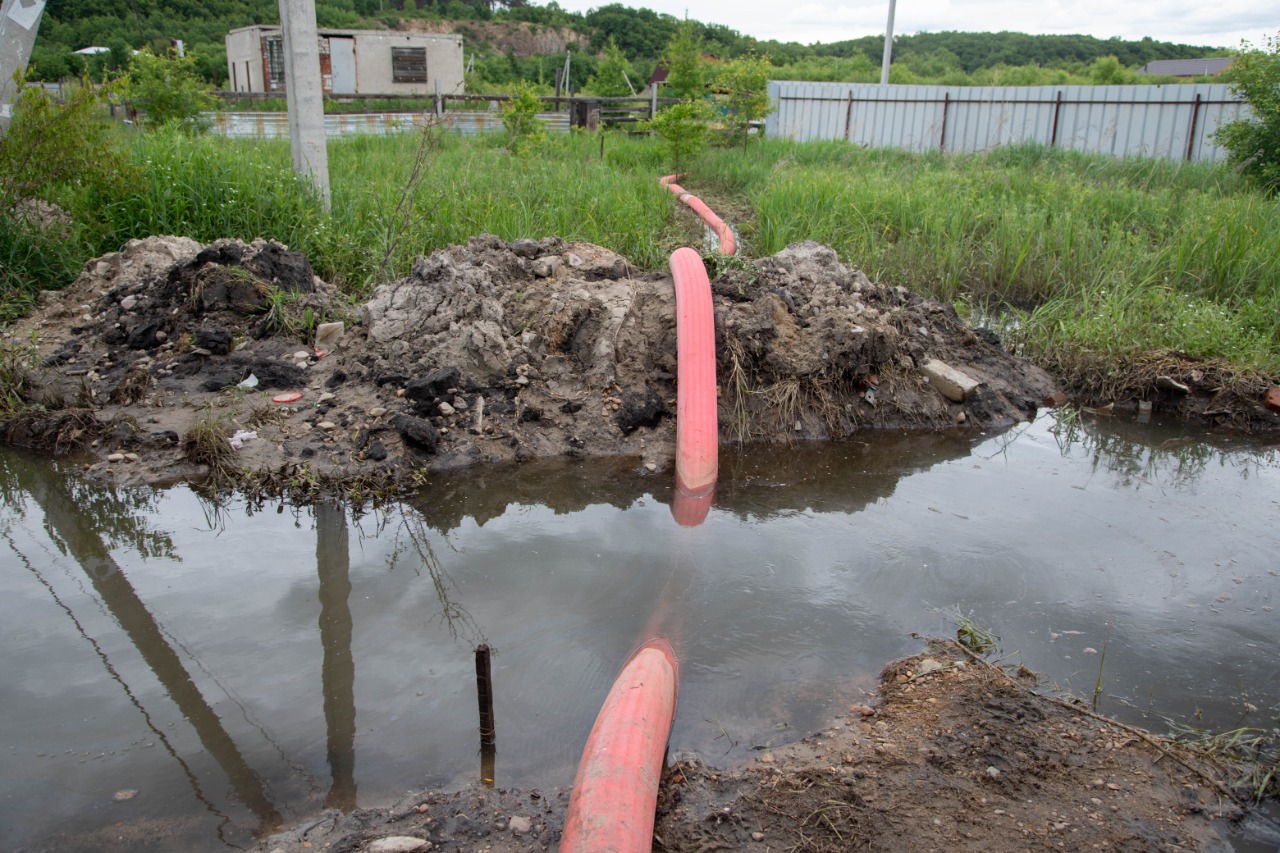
point(1186, 67)
point(352, 62)
point(660, 71)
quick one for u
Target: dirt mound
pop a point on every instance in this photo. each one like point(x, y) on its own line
point(956, 754)
point(490, 352)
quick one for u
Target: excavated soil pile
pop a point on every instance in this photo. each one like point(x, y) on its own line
point(956, 755)
point(492, 352)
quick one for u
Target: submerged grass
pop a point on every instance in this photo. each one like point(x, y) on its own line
point(1106, 263)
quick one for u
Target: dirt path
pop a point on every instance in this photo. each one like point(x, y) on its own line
point(954, 754)
point(488, 353)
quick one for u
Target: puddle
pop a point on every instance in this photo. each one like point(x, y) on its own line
point(239, 668)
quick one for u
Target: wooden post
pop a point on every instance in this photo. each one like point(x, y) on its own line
point(942, 137)
point(1191, 132)
point(1057, 110)
point(848, 116)
point(484, 690)
point(439, 100)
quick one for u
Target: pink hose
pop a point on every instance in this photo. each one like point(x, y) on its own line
point(728, 243)
point(697, 428)
point(615, 793)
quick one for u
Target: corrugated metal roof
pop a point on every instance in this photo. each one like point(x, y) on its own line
point(1186, 67)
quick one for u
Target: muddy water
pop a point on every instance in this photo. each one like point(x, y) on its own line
point(221, 669)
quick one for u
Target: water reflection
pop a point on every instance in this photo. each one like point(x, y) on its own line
point(81, 537)
point(758, 481)
point(338, 670)
point(812, 568)
point(1158, 452)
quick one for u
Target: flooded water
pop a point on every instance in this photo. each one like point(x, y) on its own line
point(177, 670)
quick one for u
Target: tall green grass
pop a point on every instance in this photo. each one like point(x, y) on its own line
point(1100, 256)
point(207, 188)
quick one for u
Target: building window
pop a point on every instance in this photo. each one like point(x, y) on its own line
point(273, 59)
point(408, 65)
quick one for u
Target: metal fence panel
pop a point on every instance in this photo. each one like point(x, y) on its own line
point(1168, 121)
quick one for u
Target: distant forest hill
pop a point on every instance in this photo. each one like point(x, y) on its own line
point(123, 26)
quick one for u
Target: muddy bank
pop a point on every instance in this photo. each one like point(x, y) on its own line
point(953, 753)
point(492, 352)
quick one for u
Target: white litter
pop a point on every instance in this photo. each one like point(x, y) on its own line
point(237, 441)
point(250, 382)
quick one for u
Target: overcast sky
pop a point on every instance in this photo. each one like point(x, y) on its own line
point(1222, 24)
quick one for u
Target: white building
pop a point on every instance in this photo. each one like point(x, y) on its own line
point(352, 62)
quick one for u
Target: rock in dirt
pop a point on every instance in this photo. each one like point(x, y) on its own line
point(416, 432)
point(640, 409)
point(951, 383)
point(1272, 398)
point(399, 844)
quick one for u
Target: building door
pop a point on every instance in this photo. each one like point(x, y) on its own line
point(342, 59)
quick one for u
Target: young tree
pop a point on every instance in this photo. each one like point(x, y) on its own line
point(168, 90)
point(1253, 145)
point(686, 77)
point(744, 82)
point(520, 119)
point(683, 128)
point(610, 80)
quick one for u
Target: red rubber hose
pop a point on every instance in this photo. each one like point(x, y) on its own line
point(728, 243)
point(615, 792)
point(697, 430)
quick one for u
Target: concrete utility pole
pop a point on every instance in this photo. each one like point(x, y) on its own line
point(303, 92)
point(888, 46)
point(19, 20)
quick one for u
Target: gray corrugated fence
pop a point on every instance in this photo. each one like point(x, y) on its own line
point(275, 125)
point(1171, 121)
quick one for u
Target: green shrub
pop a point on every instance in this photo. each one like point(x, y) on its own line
point(52, 151)
point(683, 129)
point(168, 90)
point(520, 118)
point(1253, 145)
point(612, 74)
point(744, 85)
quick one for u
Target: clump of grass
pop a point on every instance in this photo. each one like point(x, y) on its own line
point(17, 359)
point(206, 443)
point(1248, 758)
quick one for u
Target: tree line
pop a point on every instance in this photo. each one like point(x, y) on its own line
point(638, 35)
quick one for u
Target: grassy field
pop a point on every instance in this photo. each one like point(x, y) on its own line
point(1091, 264)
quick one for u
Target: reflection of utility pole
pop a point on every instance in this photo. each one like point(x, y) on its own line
point(304, 93)
point(86, 548)
point(338, 670)
point(19, 20)
point(888, 46)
